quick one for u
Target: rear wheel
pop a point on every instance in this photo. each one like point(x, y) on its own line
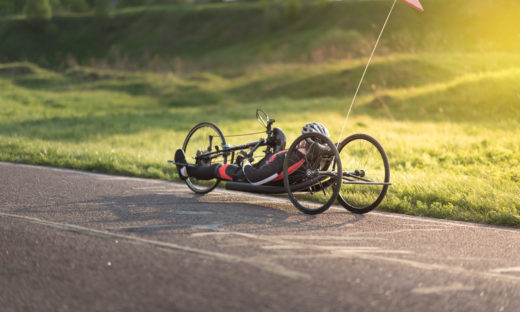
point(308, 179)
point(366, 173)
point(200, 148)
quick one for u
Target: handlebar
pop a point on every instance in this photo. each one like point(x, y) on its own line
point(253, 146)
point(253, 149)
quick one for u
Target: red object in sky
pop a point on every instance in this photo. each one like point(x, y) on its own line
point(414, 3)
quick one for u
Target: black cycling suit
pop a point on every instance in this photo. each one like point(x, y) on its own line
point(268, 170)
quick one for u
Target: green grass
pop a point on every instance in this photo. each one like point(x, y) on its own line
point(452, 143)
point(446, 112)
point(229, 37)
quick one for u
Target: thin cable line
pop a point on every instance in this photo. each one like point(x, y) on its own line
point(245, 134)
point(365, 71)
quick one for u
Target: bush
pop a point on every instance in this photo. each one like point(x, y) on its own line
point(38, 10)
point(11, 6)
point(130, 3)
point(292, 8)
point(287, 9)
point(6, 7)
point(75, 5)
point(134, 3)
point(19, 5)
point(102, 8)
point(55, 5)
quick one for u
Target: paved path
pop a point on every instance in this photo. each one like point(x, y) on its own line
point(73, 241)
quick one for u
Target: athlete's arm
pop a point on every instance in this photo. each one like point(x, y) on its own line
point(272, 170)
point(265, 173)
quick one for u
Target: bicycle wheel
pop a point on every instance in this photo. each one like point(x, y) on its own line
point(200, 148)
point(366, 175)
point(308, 180)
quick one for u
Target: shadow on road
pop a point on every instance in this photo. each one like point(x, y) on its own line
point(155, 213)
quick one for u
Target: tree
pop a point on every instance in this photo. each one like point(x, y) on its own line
point(38, 10)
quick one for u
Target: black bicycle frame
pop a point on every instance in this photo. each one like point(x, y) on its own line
point(227, 149)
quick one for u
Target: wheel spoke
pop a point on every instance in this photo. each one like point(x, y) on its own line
point(364, 160)
point(202, 139)
point(319, 196)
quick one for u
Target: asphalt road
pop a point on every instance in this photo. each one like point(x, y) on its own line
point(74, 241)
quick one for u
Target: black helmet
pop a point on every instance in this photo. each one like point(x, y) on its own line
point(315, 127)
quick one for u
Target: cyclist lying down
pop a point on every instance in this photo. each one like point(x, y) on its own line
point(267, 170)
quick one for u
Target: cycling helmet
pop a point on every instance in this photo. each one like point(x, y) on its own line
point(315, 127)
point(317, 149)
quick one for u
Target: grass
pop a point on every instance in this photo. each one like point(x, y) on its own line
point(453, 148)
point(447, 115)
point(229, 37)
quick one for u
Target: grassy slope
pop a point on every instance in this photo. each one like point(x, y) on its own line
point(448, 120)
point(219, 35)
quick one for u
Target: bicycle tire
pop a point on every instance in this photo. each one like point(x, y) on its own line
point(361, 198)
point(197, 138)
point(309, 203)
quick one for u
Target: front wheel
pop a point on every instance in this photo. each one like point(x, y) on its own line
point(366, 173)
point(309, 178)
point(200, 148)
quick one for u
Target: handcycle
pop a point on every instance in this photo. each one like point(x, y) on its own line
point(355, 171)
